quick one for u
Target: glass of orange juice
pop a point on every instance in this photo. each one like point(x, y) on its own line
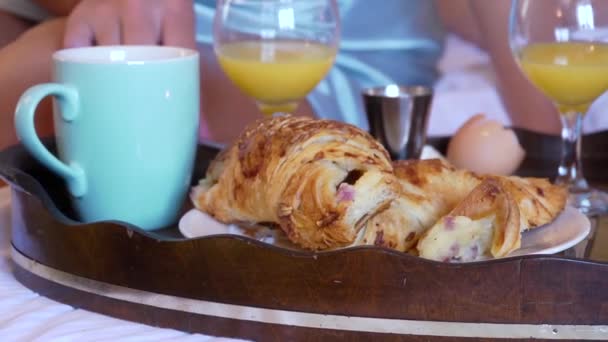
point(562, 48)
point(276, 51)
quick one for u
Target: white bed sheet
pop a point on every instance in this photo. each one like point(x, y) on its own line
point(27, 316)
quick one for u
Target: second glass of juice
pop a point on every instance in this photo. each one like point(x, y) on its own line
point(561, 46)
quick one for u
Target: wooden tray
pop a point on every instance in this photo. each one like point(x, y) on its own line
point(237, 287)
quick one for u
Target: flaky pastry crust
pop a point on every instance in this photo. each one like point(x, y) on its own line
point(319, 180)
point(432, 190)
point(328, 184)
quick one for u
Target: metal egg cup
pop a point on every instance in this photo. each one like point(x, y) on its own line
point(398, 117)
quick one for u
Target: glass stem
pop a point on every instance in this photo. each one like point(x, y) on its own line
point(570, 170)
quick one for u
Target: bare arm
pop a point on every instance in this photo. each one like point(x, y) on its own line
point(11, 27)
point(486, 24)
point(24, 63)
point(457, 17)
point(58, 7)
point(527, 106)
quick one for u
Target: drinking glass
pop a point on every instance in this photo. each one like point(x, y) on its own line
point(561, 46)
point(276, 51)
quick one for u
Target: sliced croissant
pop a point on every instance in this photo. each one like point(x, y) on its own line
point(490, 220)
point(539, 200)
point(319, 180)
point(433, 188)
point(429, 189)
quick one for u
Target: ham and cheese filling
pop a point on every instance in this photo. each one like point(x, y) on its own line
point(458, 239)
point(346, 193)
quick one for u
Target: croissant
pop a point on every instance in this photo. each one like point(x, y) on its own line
point(429, 189)
point(318, 180)
point(485, 214)
point(490, 220)
point(487, 219)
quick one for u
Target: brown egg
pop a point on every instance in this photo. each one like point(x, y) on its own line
point(485, 146)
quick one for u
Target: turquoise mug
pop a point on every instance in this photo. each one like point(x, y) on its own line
point(126, 124)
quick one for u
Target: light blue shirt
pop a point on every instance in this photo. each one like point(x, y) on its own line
point(383, 42)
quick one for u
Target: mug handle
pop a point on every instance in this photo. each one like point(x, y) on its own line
point(67, 98)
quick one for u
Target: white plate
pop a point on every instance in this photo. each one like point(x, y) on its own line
point(568, 229)
point(195, 224)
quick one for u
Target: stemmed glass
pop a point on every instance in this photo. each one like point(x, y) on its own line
point(276, 51)
point(560, 46)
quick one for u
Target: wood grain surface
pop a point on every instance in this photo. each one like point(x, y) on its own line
point(207, 324)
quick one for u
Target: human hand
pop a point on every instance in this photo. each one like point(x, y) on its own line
point(127, 22)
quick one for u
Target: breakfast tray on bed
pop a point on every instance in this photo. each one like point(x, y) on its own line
point(235, 286)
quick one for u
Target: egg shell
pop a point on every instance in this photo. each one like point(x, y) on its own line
point(486, 147)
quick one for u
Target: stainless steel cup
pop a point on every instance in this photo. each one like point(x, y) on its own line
point(398, 118)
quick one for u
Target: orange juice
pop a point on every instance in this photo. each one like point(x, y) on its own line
point(572, 74)
point(276, 73)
